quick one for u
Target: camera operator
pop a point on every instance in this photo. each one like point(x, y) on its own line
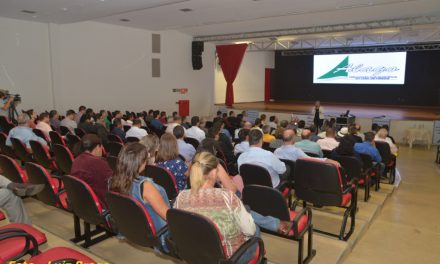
point(5, 103)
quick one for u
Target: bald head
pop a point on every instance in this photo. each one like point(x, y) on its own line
point(288, 136)
point(306, 133)
point(247, 125)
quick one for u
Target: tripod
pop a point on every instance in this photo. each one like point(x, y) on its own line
point(12, 113)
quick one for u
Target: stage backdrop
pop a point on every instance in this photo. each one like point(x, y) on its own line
point(293, 80)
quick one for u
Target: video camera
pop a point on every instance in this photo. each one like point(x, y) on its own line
point(17, 97)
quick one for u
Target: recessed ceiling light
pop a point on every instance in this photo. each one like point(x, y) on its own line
point(124, 20)
point(64, 8)
point(28, 11)
point(186, 10)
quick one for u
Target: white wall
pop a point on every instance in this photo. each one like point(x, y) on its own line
point(101, 66)
point(25, 62)
point(249, 84)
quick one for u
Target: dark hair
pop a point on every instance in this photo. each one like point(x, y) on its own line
point(231, 113)
point(209, 145)
point(243, 133)
point(130, 159)
point(89, 111)
point(346, 147)
point(352, 130)
point(43, 116)
point(312, 128)
point(70, 112)
point(137, 121)
point(272, 118)
point(88, 143)
point(2, 94)
point(224, 115)
point(85, 117)
point(53, 113)
point(301, 124)
point(195, 120)
point(219, 113)
point(257, 122)
point(156, 114)
point(151, 111)
point(178, 132)
point(255, 136)
point(82, 108)
point(263, 117)
point(117, 122)
point(369, 136)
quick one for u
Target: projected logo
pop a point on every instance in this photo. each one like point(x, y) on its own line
point(372, 68)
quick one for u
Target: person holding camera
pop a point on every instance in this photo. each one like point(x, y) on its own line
point(5, 103)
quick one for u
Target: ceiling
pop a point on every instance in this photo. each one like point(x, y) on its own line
point(218, 17)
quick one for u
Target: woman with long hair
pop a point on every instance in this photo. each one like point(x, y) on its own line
point(151, 141)
point(223, 207)
point(128, 180)
point(168, 158)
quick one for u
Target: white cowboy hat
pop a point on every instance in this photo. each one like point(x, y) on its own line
point(343, 132)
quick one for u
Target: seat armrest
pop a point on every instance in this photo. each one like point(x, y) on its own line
point(30, 240)
point(305, 211)
point(243, 249)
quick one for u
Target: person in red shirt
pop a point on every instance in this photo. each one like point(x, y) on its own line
point(90, 167)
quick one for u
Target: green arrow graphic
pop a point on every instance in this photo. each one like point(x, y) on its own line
point(338, 71)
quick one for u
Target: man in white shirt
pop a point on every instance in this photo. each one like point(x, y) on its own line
point(186, 150)
point(273, 122)
point(69, 121)
point(266, 159)
point(136, 130)
point(44, 124)
point(243, 146)
point(246, 125)
point(194, 131)
point(329, 142)
point(177, 120)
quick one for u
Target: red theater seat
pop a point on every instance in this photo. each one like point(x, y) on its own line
point(60, 254)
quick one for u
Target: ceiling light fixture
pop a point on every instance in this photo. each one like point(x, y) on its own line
point(64, 8)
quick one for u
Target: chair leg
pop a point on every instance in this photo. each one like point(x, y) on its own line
point(300, 250)
point(77, 228)
point(310, 251)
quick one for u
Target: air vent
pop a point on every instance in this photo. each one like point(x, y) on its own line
point(124, 20)
point(186, 10)
point(28, 11)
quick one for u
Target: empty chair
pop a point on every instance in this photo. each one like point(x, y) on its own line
point(114, 138)
point(139, 227)
point(18, 240)
point(387, 158)
point(40, 133)
point(72, 140)
point(112, 161)
point(21, 150)
point(132, 139)
point(64, 130)
point(53, 193)
point(86, 206)
point(194, 142)
point(322, 184)
point(60, 255)
point(56, 138)
point(5, 149)
point(196, 240)
point(11, 170)
point(113, 148)
point(42, 155)
point(80, 132)
point(63, 158)
point(164, 178)
point(270, 202)
point(353, 170)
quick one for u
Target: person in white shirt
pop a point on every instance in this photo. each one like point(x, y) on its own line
point(194, 131)
point(382, 135)
point(136, 130)
point(186, 150)
point(44, 124)
point(243, 146)
point(273, 122)
point(266, 159)
point(177, 120)
point(81, 111)
point(246, 125)
point(69, 121)
point(329, 142)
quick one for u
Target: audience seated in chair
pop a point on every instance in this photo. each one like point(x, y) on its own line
point(307, 145)
point(69, 121)
point(24, 133)
point(244, 125)
point(151, 141)
point(32, 117)
point(44, 124)
point(185, 149)
point(195, 131)
point(382, 135)
point(267, 137)
point(131, 161)
point(90, 167)
point(345, 148)
point(177, 120)
point(156, 122)
point(55, 120)
point(266, 159)
point(118, 130)
point(243, 146)
point(136, 131)
point(329, 142)
point(222, 203)
point(81, 112)
point(368, 147)
point(168, 158)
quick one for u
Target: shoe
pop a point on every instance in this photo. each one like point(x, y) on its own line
point(25, 189)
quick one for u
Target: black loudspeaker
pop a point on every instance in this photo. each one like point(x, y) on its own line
point(197, 49)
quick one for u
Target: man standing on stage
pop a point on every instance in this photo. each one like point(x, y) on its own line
point(318, 112)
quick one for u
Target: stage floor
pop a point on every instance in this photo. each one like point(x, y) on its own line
point(395, 112)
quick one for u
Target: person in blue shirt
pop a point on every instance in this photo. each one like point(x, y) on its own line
point(24, 133)
point(156, 123)
point(367, 147)
point(185, 149)
point(118, 130)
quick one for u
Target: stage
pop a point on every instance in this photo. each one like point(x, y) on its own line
point(393, 112)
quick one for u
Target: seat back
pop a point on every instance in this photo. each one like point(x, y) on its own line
point(40, 133)
point(326, 153)
point(11, 170)
point(352, 167)
point(126, 128)
point(42, 155)
point(56, 138)
point(384, 151)
point(83, 200)
point(63, 158)
point(266, 201)
point(38, 175)
point(367, 161)
point(80, 132)
point(20, 150)
point(195, 238)
point(138, 228)
point(5, 149)
point(194, 142)
point(132, 139)
point(291, 165)
point(254, 174)
point(114, 148)
point(266, 146)
point(164, 178)
point(313, 155)
point(5, 124)
point(114, 138)
point(318, 182)
point(112, 161)
point(64, 130)
point(72, 140)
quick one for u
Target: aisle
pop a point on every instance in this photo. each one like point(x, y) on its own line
point(408, 228)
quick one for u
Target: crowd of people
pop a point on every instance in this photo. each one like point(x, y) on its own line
point(224, 144)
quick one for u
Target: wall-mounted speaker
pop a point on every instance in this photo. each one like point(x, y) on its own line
point(197, 49)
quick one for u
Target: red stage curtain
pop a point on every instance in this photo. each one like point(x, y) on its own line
point(230, 58)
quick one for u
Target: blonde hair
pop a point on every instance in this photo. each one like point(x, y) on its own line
point(168, 149)
point(203, 163)
point(382, 133)
point(151, 141)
